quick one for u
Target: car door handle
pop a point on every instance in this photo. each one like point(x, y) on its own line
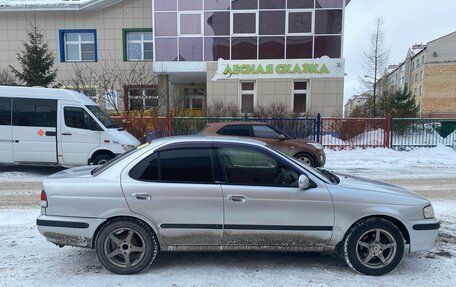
point(237, 198)
point(141, 196)
point(66, 134)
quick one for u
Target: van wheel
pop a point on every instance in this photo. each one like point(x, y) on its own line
point(101, 159)
point(374, 246)
point(126, 246)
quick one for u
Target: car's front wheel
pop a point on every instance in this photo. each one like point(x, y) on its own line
point(306, 159)
point(374, 246)
point(126, 246)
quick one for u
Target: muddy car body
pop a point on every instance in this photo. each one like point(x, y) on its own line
point(213, 194)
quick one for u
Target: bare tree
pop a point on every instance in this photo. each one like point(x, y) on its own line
point(7, 78)
point(376, 60)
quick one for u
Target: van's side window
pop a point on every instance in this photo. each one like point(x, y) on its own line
point(79, 118)
point(34, 112)
point(5, 111)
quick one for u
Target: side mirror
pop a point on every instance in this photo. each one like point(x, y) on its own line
point(282, 137)
point(303, 182)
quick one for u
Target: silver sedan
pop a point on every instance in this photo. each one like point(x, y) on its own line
point(212, 194)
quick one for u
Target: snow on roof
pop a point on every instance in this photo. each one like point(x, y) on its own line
point(17, 5)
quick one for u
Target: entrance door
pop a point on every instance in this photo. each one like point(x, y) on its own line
point(264, 205)
point(80, 135)
point(194, 98)
point(6, 140)
point(34, 131)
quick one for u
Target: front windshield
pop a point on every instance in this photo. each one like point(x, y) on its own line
point(103, 117)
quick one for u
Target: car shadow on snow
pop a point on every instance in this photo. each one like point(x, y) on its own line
point(30, 170)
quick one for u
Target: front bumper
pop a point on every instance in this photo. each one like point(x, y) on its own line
point(71, 231)
point(423, 234)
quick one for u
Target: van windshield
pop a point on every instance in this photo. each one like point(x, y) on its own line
point(103, 117)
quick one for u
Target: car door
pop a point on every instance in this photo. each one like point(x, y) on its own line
point(177, 190)
point(265, 207)
point(34, 131)
point(80, 134)
point(6, 142)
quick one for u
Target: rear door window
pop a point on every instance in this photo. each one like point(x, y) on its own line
point(185, 165)
point(265, 132)
point(5, 111)
point(34, 112)
point(236, 130)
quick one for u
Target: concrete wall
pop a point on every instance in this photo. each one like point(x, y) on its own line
point(325, 96)
point(108, 22)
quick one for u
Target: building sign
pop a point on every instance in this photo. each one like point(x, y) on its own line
point(273, 69)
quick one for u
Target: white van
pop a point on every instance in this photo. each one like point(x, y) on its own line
point(56, 126)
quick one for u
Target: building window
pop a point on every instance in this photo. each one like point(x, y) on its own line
point(78, 46)
point(141, 97)
point(247, 97)
point(244, 23)
point(300, 22)
point(190, 24)
point(421, 90)
point(422, 75)
point(300, 97)
point(138, 45)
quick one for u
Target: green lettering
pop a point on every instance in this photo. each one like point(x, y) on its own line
point(314, 69)
point(306, 68)
point(228, 70)
point(269, 69)
point(236, 69)
point(324, 69)
point(251, 69)
point(259, 69)
point(296, 69)
point(287, 68)
point(279, 69)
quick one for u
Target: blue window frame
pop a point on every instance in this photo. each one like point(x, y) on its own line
point(78, 45)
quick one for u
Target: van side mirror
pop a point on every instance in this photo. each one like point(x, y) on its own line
point(304, 182)
point(282, 137)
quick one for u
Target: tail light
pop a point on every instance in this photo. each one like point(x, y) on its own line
point(44, 200)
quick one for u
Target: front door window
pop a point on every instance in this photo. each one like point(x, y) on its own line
point(194, 98)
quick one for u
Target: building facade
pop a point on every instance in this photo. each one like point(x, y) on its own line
point(430, 74)
point(353, 102)
point(244, 53)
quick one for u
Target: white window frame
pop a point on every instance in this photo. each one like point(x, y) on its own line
point(257, 23)
point(143, 96)
point(197, 12)
point(298, 91)
point(142, 42)
point(79, 43)
point(248, 92)
point(190, 98)
point(287, 17)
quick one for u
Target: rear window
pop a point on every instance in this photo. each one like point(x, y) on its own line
point(236, 130)
point(5, 111)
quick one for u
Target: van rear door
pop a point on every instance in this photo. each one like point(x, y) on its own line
point(34, 131)
point(6, 142)
point(80, 134)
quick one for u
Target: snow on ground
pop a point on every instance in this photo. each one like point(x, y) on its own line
point(27, 259)
point(387, 163)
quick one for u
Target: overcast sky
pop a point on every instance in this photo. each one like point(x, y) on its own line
point(406, 22)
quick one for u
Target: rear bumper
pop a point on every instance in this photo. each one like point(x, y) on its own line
point(423, 234)
point(71, 231)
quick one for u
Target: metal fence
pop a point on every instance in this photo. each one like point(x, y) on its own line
point(295, 127)
point(351, 133)
point(407, 134)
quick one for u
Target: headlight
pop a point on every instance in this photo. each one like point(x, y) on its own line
point(128, 147)
point(428, 212)
point(316, 145)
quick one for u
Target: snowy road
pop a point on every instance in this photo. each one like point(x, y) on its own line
point(27, 259)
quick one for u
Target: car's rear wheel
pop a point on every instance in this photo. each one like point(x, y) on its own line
point(126, 246)
point(306, 159)
point(374, 246)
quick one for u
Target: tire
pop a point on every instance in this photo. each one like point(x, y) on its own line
point(101, 159)
point(374, 246)
point(126, 246)
point(306, 159)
